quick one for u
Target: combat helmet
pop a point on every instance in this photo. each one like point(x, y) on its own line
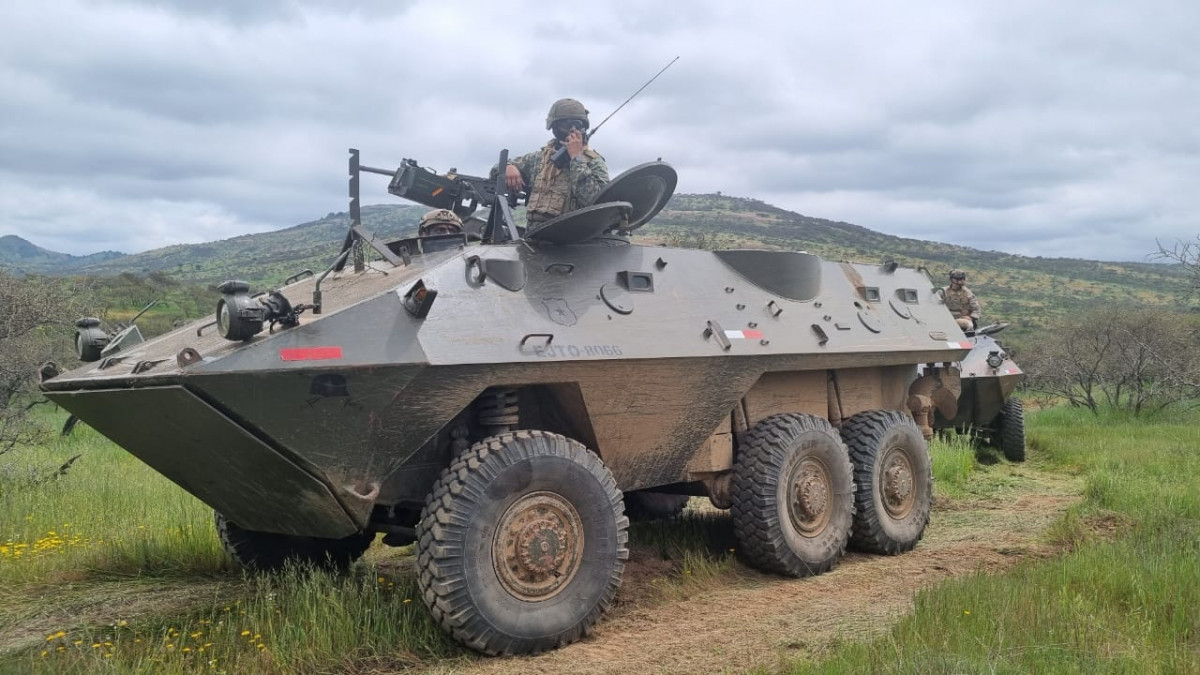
point(566, 108)
point(958, 274)
point(438, 217)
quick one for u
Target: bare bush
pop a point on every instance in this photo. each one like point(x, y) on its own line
point(1186, 254)
point(1142, 359)
point(36, 316)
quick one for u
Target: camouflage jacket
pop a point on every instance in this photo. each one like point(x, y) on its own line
point(554, 191)
point(962, 303)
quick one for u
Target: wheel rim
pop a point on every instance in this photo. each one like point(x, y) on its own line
point(810, 489)
point(896, 483)
point(538, 546)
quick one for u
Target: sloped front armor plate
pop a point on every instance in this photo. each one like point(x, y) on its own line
point(205, 453)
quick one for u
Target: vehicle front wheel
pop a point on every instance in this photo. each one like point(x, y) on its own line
point(894, 480)
point(793, 495)
point(522, 542)
point(1011, 424)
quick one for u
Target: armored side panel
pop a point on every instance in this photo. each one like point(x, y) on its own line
point(643, 353)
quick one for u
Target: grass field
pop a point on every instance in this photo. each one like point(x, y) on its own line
point(1123, 598)
point(112, 568)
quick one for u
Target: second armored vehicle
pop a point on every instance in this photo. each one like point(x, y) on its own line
point(986, 406)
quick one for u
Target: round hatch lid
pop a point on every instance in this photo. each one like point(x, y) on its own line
point(581, 224)
point(648, 187)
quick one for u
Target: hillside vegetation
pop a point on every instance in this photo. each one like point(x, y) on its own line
point(1031, 292)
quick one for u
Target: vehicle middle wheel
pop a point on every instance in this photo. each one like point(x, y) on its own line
point(793, 495)
point(894, 479)
point(522, 542)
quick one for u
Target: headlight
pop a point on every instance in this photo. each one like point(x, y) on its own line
point(996, 359)
point(239, 316)
point(90, 339)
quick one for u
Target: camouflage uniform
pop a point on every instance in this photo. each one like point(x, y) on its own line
point(963, 306)
point(554, 191)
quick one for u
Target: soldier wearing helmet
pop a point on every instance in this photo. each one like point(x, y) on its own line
point(439, 221)
point(961, 301)
point(554, 190)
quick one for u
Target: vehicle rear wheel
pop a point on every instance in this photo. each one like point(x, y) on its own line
point(793, 495)
point(522, 542)
point(267, 551)
point(1011, 424)
point(894, 479)
point(646, 506)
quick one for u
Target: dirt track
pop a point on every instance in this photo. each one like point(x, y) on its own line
point(758, 620)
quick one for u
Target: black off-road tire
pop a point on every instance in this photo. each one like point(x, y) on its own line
point(557, 506)
point(647, 506)
point(793, 496)
point(894, 480)
point(267, 551)
point(1011, 430)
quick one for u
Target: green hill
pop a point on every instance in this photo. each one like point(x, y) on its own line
point(1030, 291)
point(23, 257)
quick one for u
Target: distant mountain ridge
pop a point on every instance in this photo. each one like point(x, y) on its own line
point(23, 256)
point(1028, 289)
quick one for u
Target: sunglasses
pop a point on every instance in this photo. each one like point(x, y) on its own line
point(569, 124)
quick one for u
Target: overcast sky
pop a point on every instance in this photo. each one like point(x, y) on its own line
point(1057, 129)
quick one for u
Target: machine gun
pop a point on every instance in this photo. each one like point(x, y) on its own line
point(457, 192)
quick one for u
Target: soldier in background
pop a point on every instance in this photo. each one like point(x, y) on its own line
point(961, 301)
point(439, 221)
point(555, 190)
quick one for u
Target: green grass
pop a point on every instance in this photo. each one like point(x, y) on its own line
point(120, 570)
point(1125, 595)
point(110, 515)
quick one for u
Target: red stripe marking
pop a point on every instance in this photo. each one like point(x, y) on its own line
point(752, 334)
point(310, 353)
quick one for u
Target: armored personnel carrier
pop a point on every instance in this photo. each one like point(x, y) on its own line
point(986, 407)
point(496, 401)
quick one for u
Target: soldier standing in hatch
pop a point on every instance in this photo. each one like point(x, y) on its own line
point(555, 190)
point(439, 221)
point(961, 301)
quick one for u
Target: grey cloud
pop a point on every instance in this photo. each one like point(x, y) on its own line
point(1065, 129)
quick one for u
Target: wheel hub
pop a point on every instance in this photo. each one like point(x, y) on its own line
point(897, 487)
point(810, 489)
point(538, 546)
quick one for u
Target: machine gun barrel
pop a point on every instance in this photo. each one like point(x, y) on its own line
point(381, 172)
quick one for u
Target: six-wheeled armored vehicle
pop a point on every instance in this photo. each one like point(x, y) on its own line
point(497, 401)
point(986, 408)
